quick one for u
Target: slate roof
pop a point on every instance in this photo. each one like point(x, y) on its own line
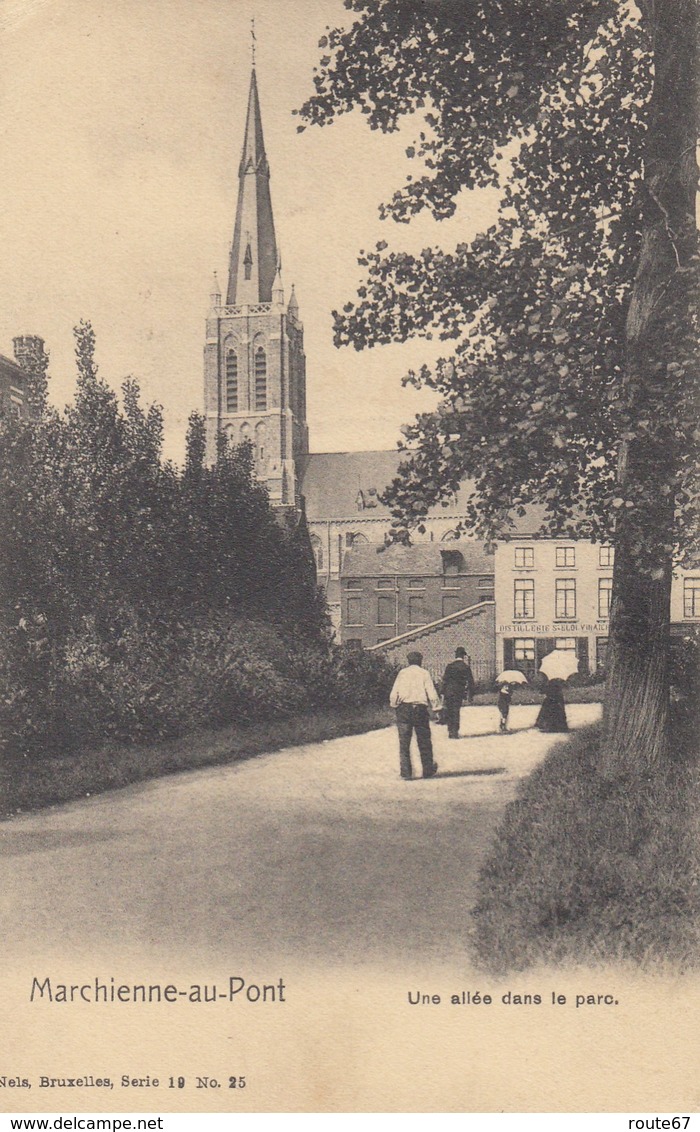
point(424, 559)
point(331, 483)
point(11, 372)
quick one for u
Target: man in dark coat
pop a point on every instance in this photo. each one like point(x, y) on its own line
point(457, 682)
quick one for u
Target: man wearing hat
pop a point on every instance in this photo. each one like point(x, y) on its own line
point(413, 693)
point(457, 681)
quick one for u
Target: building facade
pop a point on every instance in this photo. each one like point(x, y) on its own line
point(388, 591)
point(552, 594)
point(555, 593)
point(343, 493)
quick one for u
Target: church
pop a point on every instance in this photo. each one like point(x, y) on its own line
point(255, 390)
point(507, 607)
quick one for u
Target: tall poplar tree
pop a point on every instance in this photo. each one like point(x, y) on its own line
point(572, 384)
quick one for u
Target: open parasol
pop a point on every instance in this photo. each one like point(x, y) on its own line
point(512, 676)
point(559, 664)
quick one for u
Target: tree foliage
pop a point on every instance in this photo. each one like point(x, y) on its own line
point(121, 573)
point(572, 383)
point(550, 103)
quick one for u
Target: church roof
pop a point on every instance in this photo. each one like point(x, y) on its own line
point(423, 559)
point(339, 485)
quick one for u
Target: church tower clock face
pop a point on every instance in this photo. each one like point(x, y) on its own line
point(254, 362)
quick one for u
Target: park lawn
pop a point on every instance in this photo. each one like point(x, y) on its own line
point(34, 783)
point(573, 694)
point(588, 871)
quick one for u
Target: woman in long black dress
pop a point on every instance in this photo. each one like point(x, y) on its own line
point(552, 715)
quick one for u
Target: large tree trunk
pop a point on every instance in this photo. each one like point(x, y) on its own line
point(637, 707)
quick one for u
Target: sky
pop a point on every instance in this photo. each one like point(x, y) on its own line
point(121, 126)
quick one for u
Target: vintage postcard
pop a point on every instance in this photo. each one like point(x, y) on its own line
point(305, 810)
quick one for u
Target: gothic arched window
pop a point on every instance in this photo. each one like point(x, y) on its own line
point(260, 380)
point(354, 538)
point(231, 382)
point(317, 547)
point(260, 442)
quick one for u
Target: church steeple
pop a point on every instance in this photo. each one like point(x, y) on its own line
point(254, 362)
point(253, 264)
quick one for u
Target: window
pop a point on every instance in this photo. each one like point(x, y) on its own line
point(606, 556)
point(353, 584)
point(452, 562)
point(565, 599)
point(317, 547)
point(566, 556)
point(260, 438)
point(524, 603)
point(524, 648)
point(231, 382)
point(565, 644)
point(385, 583)
point(601, 653)
point(604, 592)
point(416, 583)
point(352, 538)
point(354, 611)
point(385, 610)
point(524, 557)
point(415, 610)
point(691, 597)
point(452, 603)
point(247, 262)
point(260, 380)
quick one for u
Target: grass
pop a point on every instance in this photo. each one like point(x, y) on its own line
point(573, 694)
point(32, 784)
point(584, 870)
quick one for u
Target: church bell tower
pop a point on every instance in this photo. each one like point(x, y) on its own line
point(254, 362)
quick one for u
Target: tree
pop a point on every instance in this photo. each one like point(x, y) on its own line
point(572, 385)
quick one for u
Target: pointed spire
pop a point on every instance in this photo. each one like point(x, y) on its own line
point(215, 292)
point(254, 251)
point(293, 306)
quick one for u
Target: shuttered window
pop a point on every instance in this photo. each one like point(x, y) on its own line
point(260, 380)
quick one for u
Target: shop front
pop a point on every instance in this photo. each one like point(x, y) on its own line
point(523, 645)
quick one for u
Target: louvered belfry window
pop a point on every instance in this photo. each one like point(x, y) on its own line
point(260, 380)
point(231, 382)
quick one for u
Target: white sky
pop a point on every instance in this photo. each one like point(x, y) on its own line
point(121, 125)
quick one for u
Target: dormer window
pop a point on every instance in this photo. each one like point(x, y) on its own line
point(452, 562)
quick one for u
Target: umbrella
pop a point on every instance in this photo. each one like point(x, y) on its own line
point(559, 664)
point(512, 676)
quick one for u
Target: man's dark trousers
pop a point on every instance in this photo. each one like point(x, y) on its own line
point(410, 718)
point(453, 705)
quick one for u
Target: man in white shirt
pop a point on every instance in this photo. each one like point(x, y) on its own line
point(413, 693)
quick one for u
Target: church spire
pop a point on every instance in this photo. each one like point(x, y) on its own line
point(253, 263)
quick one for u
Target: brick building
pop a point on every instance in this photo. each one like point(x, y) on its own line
point(391, 590)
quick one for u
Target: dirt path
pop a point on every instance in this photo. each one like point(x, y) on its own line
point(320, 851)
